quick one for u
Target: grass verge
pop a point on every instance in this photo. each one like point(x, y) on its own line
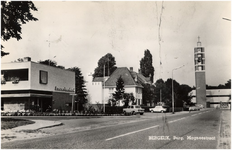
point(9, 123)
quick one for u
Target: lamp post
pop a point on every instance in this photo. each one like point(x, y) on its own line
point(173, 111)
point(73, 94)
point(103, 90)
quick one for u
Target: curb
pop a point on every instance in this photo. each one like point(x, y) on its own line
point(39, 124)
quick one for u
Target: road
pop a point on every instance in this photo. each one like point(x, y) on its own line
point(195, 130)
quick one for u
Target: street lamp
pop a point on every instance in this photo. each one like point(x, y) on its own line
point(173, 111)
point(73, 94)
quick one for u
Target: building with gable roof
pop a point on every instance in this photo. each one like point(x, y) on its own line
point(100, 91)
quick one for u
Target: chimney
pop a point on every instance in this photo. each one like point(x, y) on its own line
point(27, 59)
point(131, 68)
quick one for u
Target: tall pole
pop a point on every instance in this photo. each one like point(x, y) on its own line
point(104, 89)
point(173, 111)
point(73, 101)
point(108, 67)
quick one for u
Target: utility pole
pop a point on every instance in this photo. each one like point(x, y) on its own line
point(173, 100)
point(103, 89)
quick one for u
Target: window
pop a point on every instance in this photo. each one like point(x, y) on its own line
point(111, 90)
point(43, 77)
point(11, 75)
point(138, 90)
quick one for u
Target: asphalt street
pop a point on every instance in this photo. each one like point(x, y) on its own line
point(195, 130)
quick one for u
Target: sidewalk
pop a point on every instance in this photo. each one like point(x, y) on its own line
point(224, 141)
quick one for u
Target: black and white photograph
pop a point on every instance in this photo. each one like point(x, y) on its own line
point(115, 74)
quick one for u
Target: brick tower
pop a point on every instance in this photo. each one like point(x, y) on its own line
point(199, 59)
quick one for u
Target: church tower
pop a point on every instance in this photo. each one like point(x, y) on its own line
point(199, 59)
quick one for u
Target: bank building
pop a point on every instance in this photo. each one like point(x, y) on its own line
point(28, 85)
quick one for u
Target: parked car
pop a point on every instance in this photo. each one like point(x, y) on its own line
point(133, 109)
point(200, 106)
point(158, 109)
point(192, 108)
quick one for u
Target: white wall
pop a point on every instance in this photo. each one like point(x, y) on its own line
point(22, 85)
point(128, 89)
point(56, 77)
point(95, 91)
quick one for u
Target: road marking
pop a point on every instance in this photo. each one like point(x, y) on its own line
point(131, 133)
point(176, 120)
point(147, 128)
point(140, 130)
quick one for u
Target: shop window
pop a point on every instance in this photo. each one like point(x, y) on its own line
point(43, 77)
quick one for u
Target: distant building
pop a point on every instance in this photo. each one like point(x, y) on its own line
point(215, 97)
point(100, 91)
point(33, 86)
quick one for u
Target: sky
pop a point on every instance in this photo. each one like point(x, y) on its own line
point(78, 34)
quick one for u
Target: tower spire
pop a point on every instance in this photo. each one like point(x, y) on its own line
point(199, 42)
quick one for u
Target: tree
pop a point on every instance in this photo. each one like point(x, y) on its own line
point(119, 89)
point(159, 91)
point(61, 67)
point(228, 84)
point(220, 86)
point(176, 92)
point(80, 90)
point(14, 14)
point(49, 62)
point(148, 94)
point(146, 65)
point(109, 62)
point(184, 94)
point(128, 97)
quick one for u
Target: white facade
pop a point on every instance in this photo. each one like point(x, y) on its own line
point(94, 90)
point(98, 93)
point(40, 85)
point(57, 78)
point(137, 92)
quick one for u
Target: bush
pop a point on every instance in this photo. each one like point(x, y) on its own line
point(113, 110)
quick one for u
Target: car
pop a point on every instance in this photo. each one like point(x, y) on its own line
point(200, 106)
point(193, 108)
point(133, 109)
point(160, 109)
